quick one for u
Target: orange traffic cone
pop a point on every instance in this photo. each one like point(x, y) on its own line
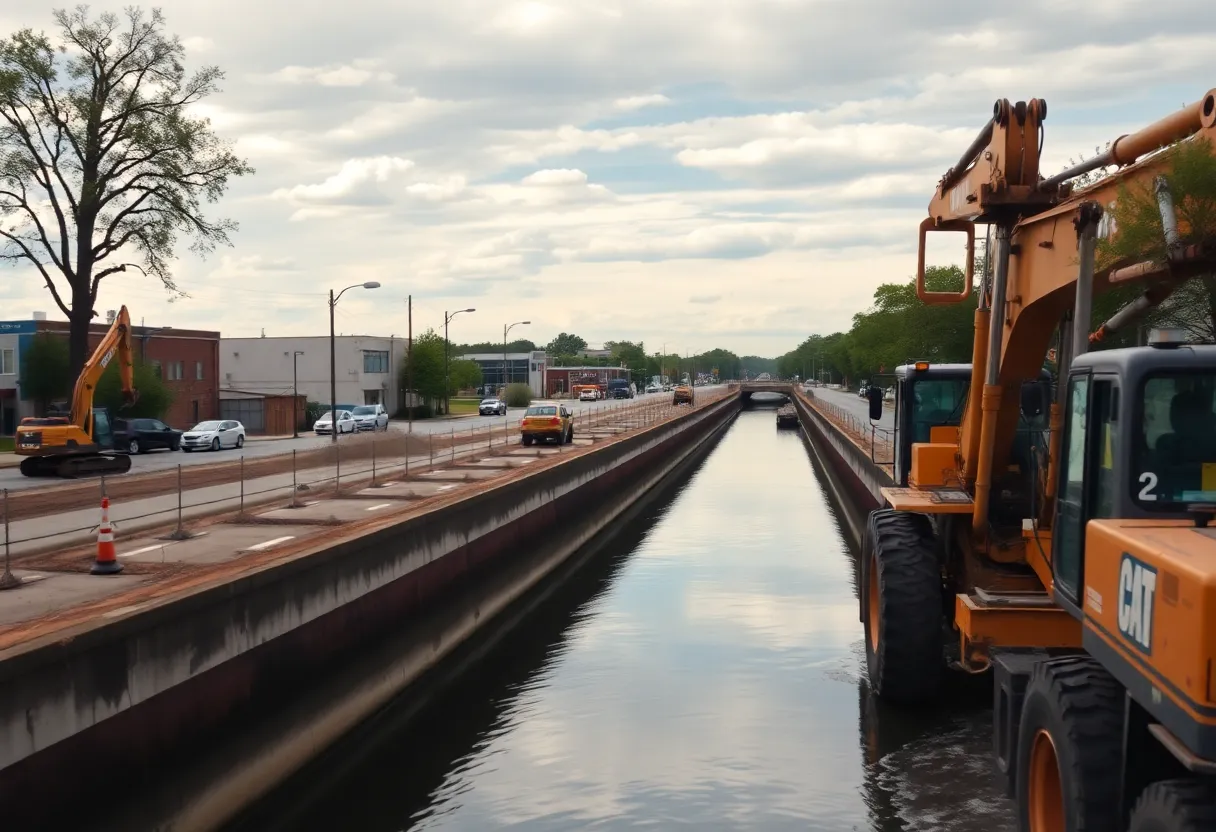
point(107, 562)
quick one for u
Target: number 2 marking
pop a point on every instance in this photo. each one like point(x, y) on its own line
point(1150, 482)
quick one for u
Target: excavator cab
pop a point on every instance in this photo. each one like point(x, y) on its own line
point(930, 400)
point(1139, 442)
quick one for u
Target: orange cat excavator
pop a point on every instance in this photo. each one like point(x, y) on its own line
point(1081, 569)
point(82, 443)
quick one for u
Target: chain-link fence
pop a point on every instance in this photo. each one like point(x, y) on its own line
point(366, 460)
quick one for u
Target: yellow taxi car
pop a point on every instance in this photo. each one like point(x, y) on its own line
point(547, 421)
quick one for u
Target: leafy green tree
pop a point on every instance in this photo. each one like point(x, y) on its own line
point(428, 369)
point(565, 344)
point(45, 372)
point(465, 375)
point(154, 400)
point(1190, 173)
point(103, 163)
point(518, 345)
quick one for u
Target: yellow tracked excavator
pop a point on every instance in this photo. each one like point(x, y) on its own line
point(82, 443)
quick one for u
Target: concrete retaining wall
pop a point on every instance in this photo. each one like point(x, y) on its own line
point(123, 696)
point(854, 478)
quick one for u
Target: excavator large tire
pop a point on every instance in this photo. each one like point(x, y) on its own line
point(902, 607)
point(1175, 806)
point(1070, 748)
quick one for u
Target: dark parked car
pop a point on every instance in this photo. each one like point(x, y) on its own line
point(138, 436)
point(620, 388)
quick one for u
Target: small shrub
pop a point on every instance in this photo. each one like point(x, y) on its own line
point(518, 395)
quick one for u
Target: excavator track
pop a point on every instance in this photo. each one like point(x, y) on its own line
point(71, 467)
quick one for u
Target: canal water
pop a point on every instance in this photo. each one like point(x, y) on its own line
point(705, 671)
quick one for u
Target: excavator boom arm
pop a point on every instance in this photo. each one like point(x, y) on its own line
point(115, 344)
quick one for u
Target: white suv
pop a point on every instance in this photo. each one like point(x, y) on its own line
point(370, 417)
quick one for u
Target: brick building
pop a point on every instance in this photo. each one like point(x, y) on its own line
point(559, 380)
point(187, 360)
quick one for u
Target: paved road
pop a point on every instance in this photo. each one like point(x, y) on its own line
point(513, 415)
point(856, 406)
point(79, 526)
point(11, 478)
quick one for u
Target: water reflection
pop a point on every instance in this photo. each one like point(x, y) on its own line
point(704, 673)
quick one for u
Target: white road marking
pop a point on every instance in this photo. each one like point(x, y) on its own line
point(121, 611)
point(445, 487)
point(267, 544)
point(29, 579)
point(141, 551)
point(377, 507)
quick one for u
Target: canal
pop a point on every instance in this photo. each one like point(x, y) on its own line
point(705, 669)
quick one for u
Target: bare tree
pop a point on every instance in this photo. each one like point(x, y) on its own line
point(102, 165)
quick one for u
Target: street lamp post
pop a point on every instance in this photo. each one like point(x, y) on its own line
point(333, 363)
point(505, 329)
point(295, 396)
point(447, 376)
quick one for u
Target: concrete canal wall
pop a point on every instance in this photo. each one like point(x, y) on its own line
point(94, 714)
point(853, 477)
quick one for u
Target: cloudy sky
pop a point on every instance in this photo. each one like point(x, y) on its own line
point(734, 173)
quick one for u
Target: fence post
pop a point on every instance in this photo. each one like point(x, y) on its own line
point(294, 487)
point(242, 511)
point(373, 459)
point(453, 440)
point(180, 532)
point(337, 467)
point(8, 580)
point(430, 447)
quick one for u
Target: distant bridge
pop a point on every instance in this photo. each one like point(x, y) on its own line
point(784, 388)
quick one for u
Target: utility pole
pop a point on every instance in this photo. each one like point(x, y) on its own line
point(295, 396)
point(447, 376)
point(333, 364)
point(409, 366)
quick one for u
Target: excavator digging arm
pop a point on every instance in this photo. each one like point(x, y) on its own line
point(1044, 253)
point(115, 344)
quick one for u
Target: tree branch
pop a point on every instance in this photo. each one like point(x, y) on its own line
point(26, 254)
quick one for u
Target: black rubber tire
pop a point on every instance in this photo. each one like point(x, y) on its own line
point(175, 446)
point(900, 549)
point(1175, 806)
point(133, 447)
point(215, 444)
point(527, 441)
point(1080, 707)
point(240, 442)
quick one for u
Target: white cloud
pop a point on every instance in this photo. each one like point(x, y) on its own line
point(198, 45)
point(355, 180)
point(331, 75)
point(556, 177)
point(637, 102)
point(777, 162)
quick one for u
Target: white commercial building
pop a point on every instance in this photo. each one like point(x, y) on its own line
point(526, 367)
point(366, 368)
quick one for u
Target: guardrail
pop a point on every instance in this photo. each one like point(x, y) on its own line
point(628, 415)
point(878, 443)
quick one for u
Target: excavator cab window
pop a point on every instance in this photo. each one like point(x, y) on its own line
point(1072, 503)
point(103, 433)
point(1089, 487)
point(1174, 457)
point(936, 402)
